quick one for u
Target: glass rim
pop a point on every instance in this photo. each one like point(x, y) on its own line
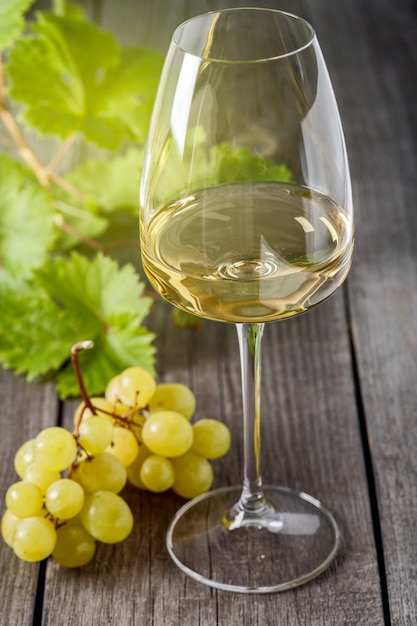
point(282, 55)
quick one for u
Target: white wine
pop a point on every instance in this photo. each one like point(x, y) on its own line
point(248, 252)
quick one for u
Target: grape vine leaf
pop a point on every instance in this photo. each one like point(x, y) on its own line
point(111, 184)
point(239, 164)
point(124, 345)
point(72, 300)
point(35, 334)
point(81, 221)
point(74, 77)
point(12, 20)
point(219, 164)
point(27, 215)
point(109, 301)
point(183, 319)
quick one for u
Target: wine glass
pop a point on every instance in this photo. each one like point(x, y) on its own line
point(246, 217)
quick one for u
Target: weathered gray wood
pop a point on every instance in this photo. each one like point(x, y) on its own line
point(378, 102)
point(311, 425)
point(312, 442)
point(25, 410)
point(152, 22)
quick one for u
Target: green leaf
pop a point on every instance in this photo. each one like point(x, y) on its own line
point(74, 77)
point(109, 301)
point(82, 219)
point(99, 289)
point(128, 91)
point(113, 184)
point(73, 300)
point(26, 219)
point(24, 306)
point(239, 164)
point(70, 10)
point(183, 319)
point(208, 166)
point(12, 20)
point(108, 212)
point(121, 347)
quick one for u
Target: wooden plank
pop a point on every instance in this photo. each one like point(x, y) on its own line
point(25, 410)
point(380, 117)
point(151, 22)
point(312, 442)
point(312, 437)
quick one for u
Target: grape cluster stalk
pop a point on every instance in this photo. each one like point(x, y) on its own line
point(68, 494)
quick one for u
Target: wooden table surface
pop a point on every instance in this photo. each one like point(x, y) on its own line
point(339, 386)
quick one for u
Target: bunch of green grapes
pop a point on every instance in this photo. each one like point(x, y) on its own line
point(172, 452)
point(68, 496)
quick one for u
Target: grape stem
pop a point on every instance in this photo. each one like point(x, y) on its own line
point(15, 133)
point(60, 223)
point(44, 174)
point(127, 419)
point(76, 350)
point(56, 160)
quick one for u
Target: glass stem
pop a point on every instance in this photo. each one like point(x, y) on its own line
point(250, 338)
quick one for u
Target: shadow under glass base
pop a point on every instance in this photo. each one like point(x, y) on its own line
point(294, 542)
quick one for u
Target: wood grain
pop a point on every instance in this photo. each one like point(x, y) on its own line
point(25, 410)
point(312, 442)
point(380, 108)
point(332, 419)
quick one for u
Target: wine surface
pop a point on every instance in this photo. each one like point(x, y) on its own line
point(248, 252)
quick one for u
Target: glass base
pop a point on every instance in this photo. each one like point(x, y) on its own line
point(292, 540)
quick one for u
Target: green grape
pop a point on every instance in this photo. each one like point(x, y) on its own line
point(74, 546)
point(157, 473)
point(124, 446)
point(75, 472)
point(24, 499)
point(55, 448)
point(34, 539)
point(9, 523)
point(193, 475)
point(133, 470)
point(64, 498)
point(111, 393)
point(41, 476)
point(136, 425)
point(24, 457)
point(96, 433)
point(173, 397)
point(102, 473)
point(98, 403)
point(107, 517)
point(211, 438)
point(167, 433)
point(135, 387)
